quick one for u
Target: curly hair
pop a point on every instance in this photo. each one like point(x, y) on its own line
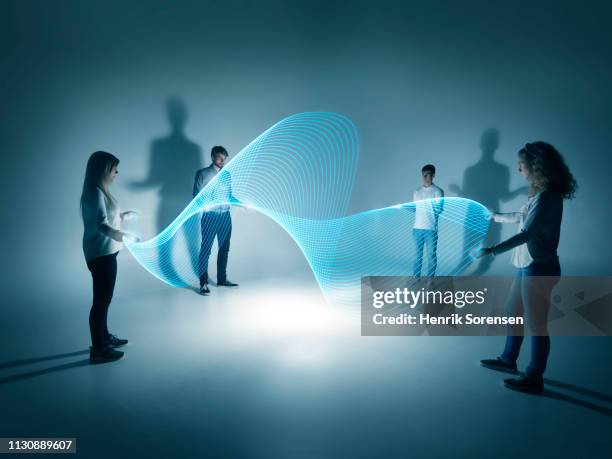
point(548, 170)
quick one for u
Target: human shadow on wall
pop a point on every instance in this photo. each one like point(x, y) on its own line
point(487, 182)
point(174, 161)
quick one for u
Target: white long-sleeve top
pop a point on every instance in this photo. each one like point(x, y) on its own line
point(427, 211)
point(520, 257)
point(99, 213)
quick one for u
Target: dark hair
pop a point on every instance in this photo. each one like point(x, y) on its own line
point(99, 165)
point(218, 149)
point(548, 170)
point(429, 168)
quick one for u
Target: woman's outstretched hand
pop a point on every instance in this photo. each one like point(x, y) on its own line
point(129, 237)
point(128, 214)
point(483, 252)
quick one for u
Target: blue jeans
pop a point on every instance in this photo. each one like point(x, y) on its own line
point(535, 298)
point(428, 239)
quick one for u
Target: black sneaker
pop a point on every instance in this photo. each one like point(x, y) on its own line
point(525, 383)
point(499, 365)
point(104, 354)
point(204, 290)
point(226, 283)
point(113, 341)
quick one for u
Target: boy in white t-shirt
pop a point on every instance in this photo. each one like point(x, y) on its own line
point(428, 203)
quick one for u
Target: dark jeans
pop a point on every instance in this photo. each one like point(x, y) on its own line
point(537, 304)
point(104, 273)
point(219, 225)
point(166, 248)
point(425, 239)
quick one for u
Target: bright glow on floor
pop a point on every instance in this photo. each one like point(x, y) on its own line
point(266, 310)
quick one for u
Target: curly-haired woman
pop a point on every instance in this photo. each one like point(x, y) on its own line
point(534, 253)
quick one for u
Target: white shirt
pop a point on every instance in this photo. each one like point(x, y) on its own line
point(426, 216)
point(98, 211)
point(520, 254)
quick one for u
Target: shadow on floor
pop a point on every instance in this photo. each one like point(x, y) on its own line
point(16, 363)
point(34, 373)
point(44, 371)
point(579, 390)
point(593, 406)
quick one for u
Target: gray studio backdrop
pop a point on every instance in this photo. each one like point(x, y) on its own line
point(457, 84)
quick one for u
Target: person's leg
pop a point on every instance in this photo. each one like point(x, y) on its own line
point(431, 242)
point(110, 289)
point(512, 348)
point(536, 290)
point(96, 313)
point(536, 296)
point(165, 214)
point(540, 349)
point(418, 238)
point(105, 331)
point(224, 235)
point(208, 236)
point(514, 307)
point(192, 233)
point(506, 362)
point(104, 273)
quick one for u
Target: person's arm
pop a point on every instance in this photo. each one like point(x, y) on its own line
point(439, 207)
point(411, 206)
point(231, 196)
point(102, 219)
point(198, 183)
point(510, 217)
point(536, 217)
point(128, 214)
point(203, 176)
point(113, 233)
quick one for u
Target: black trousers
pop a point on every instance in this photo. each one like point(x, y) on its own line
point(104, 274)
point(219, 225)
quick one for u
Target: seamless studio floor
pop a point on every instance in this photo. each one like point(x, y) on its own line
point(268, 370)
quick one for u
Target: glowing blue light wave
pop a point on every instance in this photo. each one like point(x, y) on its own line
point(300, 173)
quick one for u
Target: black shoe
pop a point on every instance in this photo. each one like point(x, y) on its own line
point(499, 365)
point(226, 283)
point(113, 341)
point(525, 383)
point(104, 354)
point(204, 290)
